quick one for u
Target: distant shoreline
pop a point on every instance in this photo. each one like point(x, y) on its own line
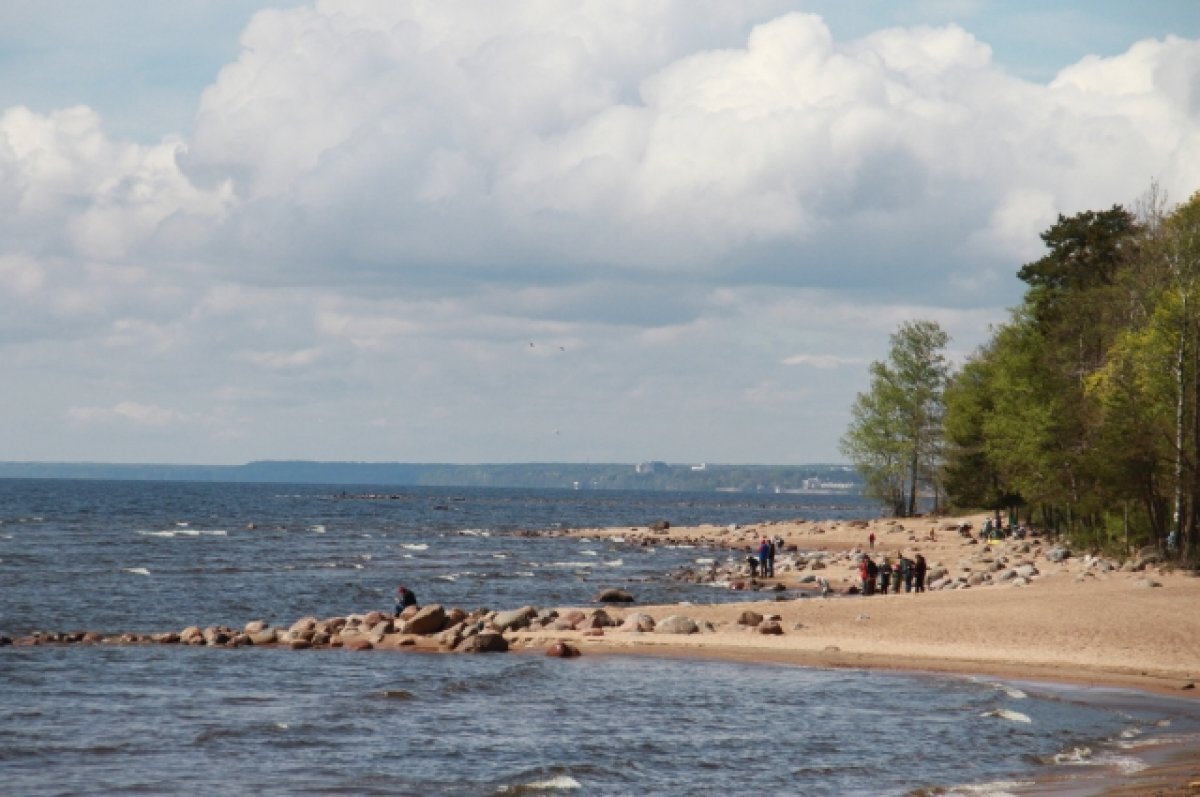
point(814, 479)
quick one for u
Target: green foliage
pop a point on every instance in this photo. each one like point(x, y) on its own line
point(1085, 405)
point(895, 433)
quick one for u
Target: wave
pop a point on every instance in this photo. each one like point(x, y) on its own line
point(137, 571)
point(415, 546)
point(1005, 714)
point(557, 783)
point(186, 532)
point(1011, 691)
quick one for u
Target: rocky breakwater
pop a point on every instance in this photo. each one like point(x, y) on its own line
point(428, 628)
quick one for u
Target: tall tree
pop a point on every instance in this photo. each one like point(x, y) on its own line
point(895, 433)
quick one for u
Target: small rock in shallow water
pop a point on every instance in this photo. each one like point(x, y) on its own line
point(398, 694)
point(487, 642)
point(562, 650)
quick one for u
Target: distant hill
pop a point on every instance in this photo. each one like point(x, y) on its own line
point(613, 476)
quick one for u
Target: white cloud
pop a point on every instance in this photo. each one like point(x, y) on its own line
point(132, 412)
point(685, 208)
point(822, 361)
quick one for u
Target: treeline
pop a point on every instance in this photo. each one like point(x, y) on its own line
point(590, 476)
point(1082, 412)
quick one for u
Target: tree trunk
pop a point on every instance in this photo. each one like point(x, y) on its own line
point(1180, 401)
point(912, 486)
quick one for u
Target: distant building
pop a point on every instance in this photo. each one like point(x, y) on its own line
point(651, 467)
point(701, 466)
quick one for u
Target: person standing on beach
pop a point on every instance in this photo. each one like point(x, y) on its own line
point(764, 556)
point(871, 540)
point(896, 575)
point(885, 575)
point(906, 572)
point(771, 558)
point(864, 573)
point(919, 569)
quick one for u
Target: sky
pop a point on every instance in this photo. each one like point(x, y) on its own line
point(479, 231)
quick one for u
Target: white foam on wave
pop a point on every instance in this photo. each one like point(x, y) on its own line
point(1083, 756)
point(705, 560)
point(448, 577)
point(616, 539)
point(615, 563)
point(1005, 714)
point(557, 783)
point(569, 564)
point(499, 556)
point(1011, 691)
point(415, 546)
point(137, 571)
point(317, 529)
point(1074, 756)
point(185, 532)
point(589, 552)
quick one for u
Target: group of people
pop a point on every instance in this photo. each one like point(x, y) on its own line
point(762, 561)
point(879, 577)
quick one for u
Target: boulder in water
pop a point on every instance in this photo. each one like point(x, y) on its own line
point(487, 642)
point(562, 650)
point(428, 620)
point(514, 619)
point(613, 596)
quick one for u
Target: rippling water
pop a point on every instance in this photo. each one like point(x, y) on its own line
point(117, 556)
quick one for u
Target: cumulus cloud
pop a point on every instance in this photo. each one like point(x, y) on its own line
point(382, 204)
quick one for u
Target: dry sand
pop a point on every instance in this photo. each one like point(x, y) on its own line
point(1072, 622)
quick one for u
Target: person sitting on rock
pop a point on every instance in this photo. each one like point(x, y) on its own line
point(404, 598)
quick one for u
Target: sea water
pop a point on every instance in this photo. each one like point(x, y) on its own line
point(127, 556)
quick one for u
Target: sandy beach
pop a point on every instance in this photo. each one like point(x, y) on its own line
point(1084, 620)
point(1075, 621)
